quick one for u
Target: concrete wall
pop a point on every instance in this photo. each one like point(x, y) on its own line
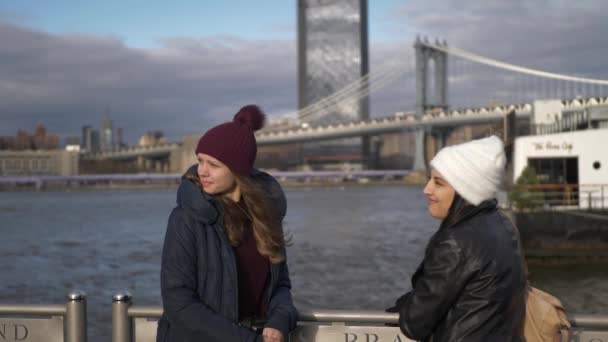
point(397, 151)
point(563, 226)
point(564, 236)
point(184, 157)
point(41, 162)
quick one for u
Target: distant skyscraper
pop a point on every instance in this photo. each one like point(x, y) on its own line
point(90, 139)
point(95, 141)
point(39, 137)
point(85, 140)
point(40, 131)
point(119, 143)
point(332, 53)
point(107, 134)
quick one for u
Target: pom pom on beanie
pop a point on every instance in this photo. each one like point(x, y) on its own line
point(252, 116)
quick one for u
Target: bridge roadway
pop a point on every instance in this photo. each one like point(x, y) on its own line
point(375, 126)
point(391, 125)
point(155, 151)
point(346, 130)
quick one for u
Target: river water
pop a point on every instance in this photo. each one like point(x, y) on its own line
point(354, 247)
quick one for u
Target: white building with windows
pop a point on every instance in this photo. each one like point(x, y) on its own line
point(576, 158)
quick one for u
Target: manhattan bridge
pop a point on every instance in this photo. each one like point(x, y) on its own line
point(431, 113)
point(443, 89)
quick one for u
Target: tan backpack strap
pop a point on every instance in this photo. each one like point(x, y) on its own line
point(564, 335)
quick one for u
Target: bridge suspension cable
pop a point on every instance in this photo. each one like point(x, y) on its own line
point(507, 66)
point(391, 71)
point(357, 89)
point(361, 88)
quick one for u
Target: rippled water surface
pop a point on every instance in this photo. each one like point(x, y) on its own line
point(353, 248)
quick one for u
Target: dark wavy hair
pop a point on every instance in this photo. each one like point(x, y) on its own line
point(459, 209)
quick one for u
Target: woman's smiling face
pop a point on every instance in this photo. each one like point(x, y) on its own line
point(440, 195)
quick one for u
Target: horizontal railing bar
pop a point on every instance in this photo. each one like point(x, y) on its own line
point(367, 316)
point(568, 186)
point(348, 316)
point(29, 309)
point(589, 321)
point(145, 311)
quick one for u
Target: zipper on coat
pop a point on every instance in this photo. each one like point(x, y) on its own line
point(222, 233)
point(270, 287)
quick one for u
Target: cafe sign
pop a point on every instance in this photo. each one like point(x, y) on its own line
point(551, 146)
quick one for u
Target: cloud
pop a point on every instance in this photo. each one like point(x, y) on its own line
point(187, 85)
point(557, 36)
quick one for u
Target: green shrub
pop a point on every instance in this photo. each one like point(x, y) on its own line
point(523, 198)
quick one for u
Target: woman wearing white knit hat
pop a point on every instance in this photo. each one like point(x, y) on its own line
point(471, 284)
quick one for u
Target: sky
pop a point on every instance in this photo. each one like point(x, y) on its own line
point(182, 67)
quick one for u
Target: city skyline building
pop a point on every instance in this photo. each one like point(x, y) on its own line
point(332, 53)
point(41, 139)
point(72, 144)
point(119, 135)
point(106, 133)
point(90, 139)
point(151, 138)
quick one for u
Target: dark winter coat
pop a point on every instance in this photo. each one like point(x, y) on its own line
point(199, 284)
point(470, 285)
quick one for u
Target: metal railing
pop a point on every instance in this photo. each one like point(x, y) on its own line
point(68, 323)
point(561, 196)
point(46, 323)
point(138, 324)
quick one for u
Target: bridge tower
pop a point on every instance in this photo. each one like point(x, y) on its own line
point(426, 54)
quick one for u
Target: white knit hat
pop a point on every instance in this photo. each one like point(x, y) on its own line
point(474, 169)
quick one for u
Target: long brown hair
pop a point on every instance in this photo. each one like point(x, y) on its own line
point(256, 209)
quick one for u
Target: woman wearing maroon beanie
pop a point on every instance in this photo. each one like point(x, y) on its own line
point(223, 262)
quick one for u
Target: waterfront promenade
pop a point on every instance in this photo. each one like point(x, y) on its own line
point(366, 238)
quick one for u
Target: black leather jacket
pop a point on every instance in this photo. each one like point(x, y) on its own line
point(470, 285)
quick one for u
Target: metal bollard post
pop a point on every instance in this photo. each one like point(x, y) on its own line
point(76, 317)
point(121, 323)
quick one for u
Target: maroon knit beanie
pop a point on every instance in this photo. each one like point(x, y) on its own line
point(233, 143)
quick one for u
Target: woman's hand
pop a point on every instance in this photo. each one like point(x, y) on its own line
point(398, 303)
point(272, 335)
